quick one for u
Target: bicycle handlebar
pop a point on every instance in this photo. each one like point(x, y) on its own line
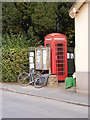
point(42, 72)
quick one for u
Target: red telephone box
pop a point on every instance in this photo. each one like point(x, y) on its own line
point(58, 45)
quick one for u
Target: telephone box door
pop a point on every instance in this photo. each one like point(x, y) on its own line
point(60, 60)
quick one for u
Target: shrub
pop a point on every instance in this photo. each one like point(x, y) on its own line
point(13, 63)
point(14, 41)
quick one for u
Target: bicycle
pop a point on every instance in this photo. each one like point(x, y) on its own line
point(42, 80)
point(38, 80)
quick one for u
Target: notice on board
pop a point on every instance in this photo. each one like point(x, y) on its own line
point(38, 59)
point(31, 54)
point(31, 59)
point(31, 65)
point(45, 59)
point(68, 55)
point(72, 56)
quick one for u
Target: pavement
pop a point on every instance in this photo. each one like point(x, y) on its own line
point(57, 94)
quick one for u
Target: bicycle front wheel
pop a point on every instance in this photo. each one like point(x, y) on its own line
point(40, 82)
point(24, 79)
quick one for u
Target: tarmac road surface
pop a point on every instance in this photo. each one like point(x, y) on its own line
point(16, 105)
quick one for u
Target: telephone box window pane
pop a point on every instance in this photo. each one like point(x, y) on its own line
point(48, 45)
point(60, 49)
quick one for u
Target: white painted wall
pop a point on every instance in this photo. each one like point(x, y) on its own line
point(89, 36)
point(81, 49)
point(81, 39)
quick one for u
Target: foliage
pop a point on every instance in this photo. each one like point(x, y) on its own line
point(13, 63)
point(17, 42)
point(11, 19)
point(66, 24)
point(35, 20)
point(15, 56)
point(26, 24)
point(13, 41)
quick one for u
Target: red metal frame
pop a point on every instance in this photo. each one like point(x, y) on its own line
point(58, 45)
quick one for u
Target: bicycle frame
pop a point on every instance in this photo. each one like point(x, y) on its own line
point(31, 80)
point(38, 80)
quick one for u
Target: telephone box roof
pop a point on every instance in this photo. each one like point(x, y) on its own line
point(55, 34)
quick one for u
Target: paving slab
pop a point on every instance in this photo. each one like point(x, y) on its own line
point(59, 93)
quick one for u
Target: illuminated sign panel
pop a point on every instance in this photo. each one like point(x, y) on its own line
point(59, 38)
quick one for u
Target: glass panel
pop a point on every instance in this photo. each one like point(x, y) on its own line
point(48, 45)
point(45, 59)
point(38, 59)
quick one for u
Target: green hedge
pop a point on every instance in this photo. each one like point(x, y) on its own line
point(13, 63)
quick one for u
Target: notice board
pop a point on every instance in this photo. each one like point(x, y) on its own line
point(42, 58)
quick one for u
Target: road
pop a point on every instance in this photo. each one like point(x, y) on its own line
point(16, 105)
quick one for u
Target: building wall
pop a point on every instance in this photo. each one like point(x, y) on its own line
point(81, 49)
point(89, 46)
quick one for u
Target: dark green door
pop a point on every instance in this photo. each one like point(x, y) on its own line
point(70, 61)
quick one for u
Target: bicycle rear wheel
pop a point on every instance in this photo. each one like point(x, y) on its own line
point(40, 82)
point(24, 79)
